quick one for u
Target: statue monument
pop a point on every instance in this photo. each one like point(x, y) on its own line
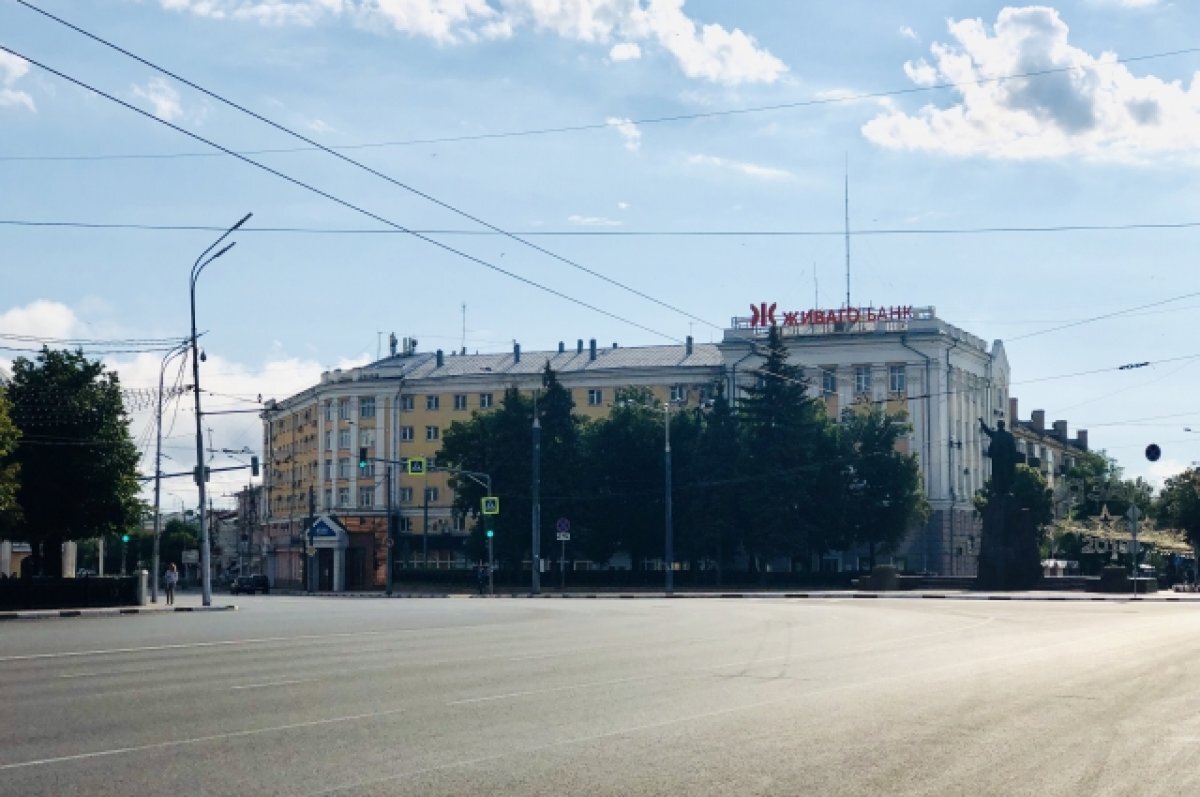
point(1008, 550)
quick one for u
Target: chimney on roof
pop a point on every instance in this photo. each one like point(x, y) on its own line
point(392, 344)
point(614, 344)
point(579, 346)
point(1013, 417)
point(561, 347)
point(516, 353)
point(1038, 419)
point(592, 349)
point(1060, 430)
point(1081, 441)
point(441, 358)
point(687, 347)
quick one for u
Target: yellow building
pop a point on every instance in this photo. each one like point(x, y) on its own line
point(398, 408)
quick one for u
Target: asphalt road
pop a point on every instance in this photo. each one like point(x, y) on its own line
point(312, 696)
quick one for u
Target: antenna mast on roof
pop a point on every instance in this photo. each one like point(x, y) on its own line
point(847, 196)
point(463, 344)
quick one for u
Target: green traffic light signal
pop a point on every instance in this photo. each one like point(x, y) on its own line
point(124, 538)
point(362, 458)
point(491, 533)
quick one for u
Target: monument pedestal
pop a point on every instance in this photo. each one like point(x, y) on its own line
point(1008, 551)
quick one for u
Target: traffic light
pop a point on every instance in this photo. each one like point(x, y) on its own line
point(362, 458)
point(124, 538)
point(490, 534)
point(253, 466)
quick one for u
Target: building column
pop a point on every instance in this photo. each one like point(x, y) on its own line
point(5, 557)
point(339, 569)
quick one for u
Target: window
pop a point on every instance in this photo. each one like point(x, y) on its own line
point(366, 497)
point(432, 402)
point(595, 397)
point(406, 494)
point(406, 433)
point(862, 379)
point(829, 381)
point(328, 469)
point(344, 409)
point(897, 379)
point(406, 402)
point(369, 470)
point(678, 393)
point(485, 401)
point(432, 433)
point(344, 438)
point(344, 496)
point(344, 468)
point(366, 437)
point(366, 407)
point(460, 401)
point(405, 524)
point(431, 494)
point(328, 499)
point(328, 441)
point(329, 411)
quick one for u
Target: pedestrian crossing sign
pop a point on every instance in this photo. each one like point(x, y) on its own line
point(416, 467)
point(491, 505)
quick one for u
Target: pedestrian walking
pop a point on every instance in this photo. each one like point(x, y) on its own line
point(481, 578)
point(170, 579)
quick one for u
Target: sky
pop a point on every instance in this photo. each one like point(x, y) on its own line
point(676, 161)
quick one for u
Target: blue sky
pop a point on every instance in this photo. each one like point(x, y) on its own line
point(1094, 141)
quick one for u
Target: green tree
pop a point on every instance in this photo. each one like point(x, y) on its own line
point(785, 443)
point(177, 536)
point(1095, 481)
point(707, 484)
point(10, 468)
point(78, 464)
point(624, 508)
point(882, 495)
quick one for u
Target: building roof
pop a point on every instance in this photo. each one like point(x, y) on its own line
point(424, 365)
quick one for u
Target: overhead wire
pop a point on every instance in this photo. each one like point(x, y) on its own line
point(338, 200)
point(368, 169)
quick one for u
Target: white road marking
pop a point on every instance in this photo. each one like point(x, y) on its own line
point(233, 642)
point(277, 683)
point(106, 672)
point(198, 739)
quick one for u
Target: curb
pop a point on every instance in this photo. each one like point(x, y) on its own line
point(361, 595)
point(115, 611)
point(1080, 597)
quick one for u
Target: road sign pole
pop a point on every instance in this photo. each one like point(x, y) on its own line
point(391, 538)
point(491, 565)
point(562, 566)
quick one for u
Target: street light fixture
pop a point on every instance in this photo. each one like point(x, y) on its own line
point(201, 262)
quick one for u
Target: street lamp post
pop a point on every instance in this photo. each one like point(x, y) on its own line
point(536, 545)
point(670, 530)
point(154, 574)
point(201, 262)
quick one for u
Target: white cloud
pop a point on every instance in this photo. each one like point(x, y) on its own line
point(319, 126)
point(592, 221)
point(1082, 104)
point(12, 69)
point(163, 98)
point(907, 32)
point(754, 170)
point(630, 134)
point(705, 51)
point(625, 51)
point(1137, 3)
point(623, 205)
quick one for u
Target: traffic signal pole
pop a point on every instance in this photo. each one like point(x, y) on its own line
point(391, 537)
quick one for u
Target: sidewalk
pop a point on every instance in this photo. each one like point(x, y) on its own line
point(187, 602)
point(962, 595)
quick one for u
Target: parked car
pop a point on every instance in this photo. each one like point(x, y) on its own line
point(250, 584)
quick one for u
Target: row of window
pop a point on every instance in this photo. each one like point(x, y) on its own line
point(897, 379)
point(366, 496)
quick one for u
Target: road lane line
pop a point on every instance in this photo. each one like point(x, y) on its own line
point(277, 683)
point(216, 737)
point(234, 642)
point(107, 672)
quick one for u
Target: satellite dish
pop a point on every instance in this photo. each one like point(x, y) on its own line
point(1153, 452)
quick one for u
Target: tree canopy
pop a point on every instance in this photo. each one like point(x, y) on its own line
point(78, 465)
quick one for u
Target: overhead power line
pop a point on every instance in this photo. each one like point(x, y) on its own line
point(593, 126)
point(611, 233)
point(336, 199)
point(374, 172)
